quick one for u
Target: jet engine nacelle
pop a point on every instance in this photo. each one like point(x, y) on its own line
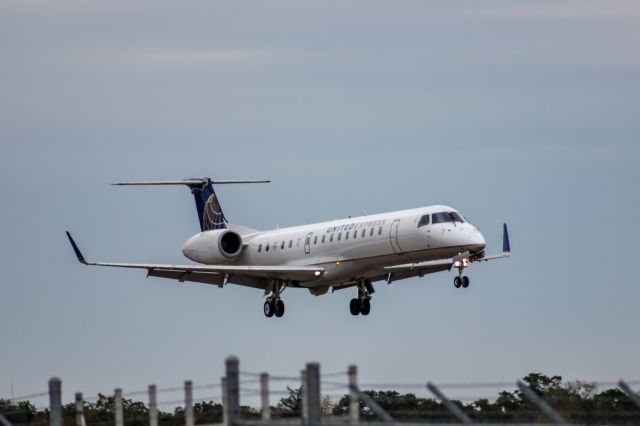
point(213, 247)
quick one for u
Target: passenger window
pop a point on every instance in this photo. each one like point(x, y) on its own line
point(371, 233)
point(363, 232)
point(355, 234)
point(259, 248)
point(267, 247)
point(424, 220)
point(441, 217)
point(339, 235)
point(331, 238)
point(323, 237)
point(380, 231)
point(346, 235)
point(282, 246)
point(315, 240)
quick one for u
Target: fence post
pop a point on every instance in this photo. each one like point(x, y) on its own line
point(55, 402)
point(188, 403)
point(311, 396)
point(629, 392)
point(540, 403)
point(117, 407)
point(231, 391)
point(80, 421)
point(264, 396)
point(354, 409)
point(153, 406)
point(453, 408)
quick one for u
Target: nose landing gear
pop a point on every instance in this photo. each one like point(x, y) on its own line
point(362, 304)
point(461, 280)
point(274, 304)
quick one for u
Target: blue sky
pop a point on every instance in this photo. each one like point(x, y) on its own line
point(523, 113)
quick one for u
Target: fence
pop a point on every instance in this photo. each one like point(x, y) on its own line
point(311, 399)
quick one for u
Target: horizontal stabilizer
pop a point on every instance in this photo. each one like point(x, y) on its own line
point(189, 182)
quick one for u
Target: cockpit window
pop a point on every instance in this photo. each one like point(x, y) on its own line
point(456, 217)
point(442, 217)
point(424, 220)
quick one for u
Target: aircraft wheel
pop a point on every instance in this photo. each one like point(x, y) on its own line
point(354, 306)
point(279, 308)
point(269, 308)
point(465, 281)
point(457, 282)
point(365, 307)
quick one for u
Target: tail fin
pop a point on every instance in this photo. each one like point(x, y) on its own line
point(208, 207)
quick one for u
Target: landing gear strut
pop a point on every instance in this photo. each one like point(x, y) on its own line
point(362, 304)
point(461, 280)
point(274, 304)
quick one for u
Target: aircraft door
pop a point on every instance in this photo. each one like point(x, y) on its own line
point(393, 237)
point(307, 243)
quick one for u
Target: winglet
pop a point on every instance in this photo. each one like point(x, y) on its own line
point(76, 249)
point(506, 248)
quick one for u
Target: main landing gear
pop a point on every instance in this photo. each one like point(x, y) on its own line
point(362, 304)
point(274, 304)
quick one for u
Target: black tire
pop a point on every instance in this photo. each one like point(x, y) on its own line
point(457, 282)
point(279, 308)
point(465, 281)
point(365, 307)
point(268, 308)
point(354, 306)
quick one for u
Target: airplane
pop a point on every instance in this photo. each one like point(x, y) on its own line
point(334, 255)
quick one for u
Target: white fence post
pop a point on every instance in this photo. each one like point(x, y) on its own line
point(55, 402)
point(231, 391)
point(80, 421)
point(264, 396)
point(354, 409)
point(188, 403)
point(311, 395)
point(117, 407)
point(153, 406)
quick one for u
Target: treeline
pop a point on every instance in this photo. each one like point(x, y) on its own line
point(576, 402)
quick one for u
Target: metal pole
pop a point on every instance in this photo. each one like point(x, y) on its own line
point(264, 396)
point(354, 409)
point(4, 421)
point(453, 408)
point(80, 421)
point(540, 403)
point(311, 395)
point(117, 407)
point(232, 389)
point(630, 394)
point(188, 403)
point(55, 402)
point(153, 406)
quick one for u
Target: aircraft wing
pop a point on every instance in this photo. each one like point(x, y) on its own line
point(251, 276)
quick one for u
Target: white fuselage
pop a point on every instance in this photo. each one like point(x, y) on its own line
point(354, 248)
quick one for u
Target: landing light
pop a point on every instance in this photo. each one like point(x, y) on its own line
point(317, 273)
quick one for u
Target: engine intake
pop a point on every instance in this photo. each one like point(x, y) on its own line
point(213, 247)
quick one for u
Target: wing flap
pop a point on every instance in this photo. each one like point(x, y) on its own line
point(214, 274)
